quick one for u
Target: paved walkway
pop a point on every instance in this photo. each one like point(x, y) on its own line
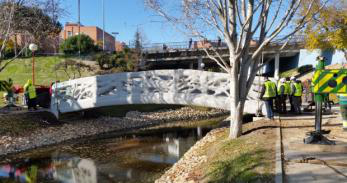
point(313, 163)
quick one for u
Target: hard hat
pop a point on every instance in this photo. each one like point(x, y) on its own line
point(282, 80)
point(292, 78)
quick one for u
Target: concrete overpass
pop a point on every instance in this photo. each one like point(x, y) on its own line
point(181, 56)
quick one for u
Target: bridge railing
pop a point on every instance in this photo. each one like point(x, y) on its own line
point(186, 45)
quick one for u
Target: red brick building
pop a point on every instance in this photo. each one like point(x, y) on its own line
point(93, 32)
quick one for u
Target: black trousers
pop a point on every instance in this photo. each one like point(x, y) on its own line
point(282, 103)
point(292, 105)
point(296, 103)
point(32, 103)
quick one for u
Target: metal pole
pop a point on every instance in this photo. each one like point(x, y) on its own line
point(79, 29)
point(318, 117)
point(33, 68)
point(103, 25)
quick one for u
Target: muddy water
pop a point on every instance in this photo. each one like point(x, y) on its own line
point(138, 156)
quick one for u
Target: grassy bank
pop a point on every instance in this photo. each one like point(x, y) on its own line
point(240, 160)
point(250, 158)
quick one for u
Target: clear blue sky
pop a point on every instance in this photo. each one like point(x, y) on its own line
point(122, 16)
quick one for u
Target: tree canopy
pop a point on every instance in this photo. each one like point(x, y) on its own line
point(328, 28)
point(37, 23)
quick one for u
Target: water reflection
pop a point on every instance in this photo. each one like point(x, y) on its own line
point(140, 157)
point(74, 170)
point(65, 169)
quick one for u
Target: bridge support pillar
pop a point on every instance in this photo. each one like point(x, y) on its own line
point(191, 65)
point(277, 66)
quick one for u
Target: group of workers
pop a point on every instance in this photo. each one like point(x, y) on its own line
point(285, 90)
point(33, 96)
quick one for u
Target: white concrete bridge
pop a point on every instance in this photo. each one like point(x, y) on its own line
point(184, 87)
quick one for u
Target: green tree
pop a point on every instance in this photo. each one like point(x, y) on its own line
point(328, 28)
point(70, 45)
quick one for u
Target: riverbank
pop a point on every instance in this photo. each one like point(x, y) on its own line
point(24, 131)
point(215, 158)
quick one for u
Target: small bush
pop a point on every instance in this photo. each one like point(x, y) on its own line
point(9, 49)
point(104, 60)
point(305, 68)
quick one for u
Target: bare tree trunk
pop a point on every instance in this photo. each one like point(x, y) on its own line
point(15, 44)
point(236, 107)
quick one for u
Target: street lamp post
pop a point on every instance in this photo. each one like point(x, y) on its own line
point(103, 25)
point(33, 47)
point(79, 28)
point(115, 40)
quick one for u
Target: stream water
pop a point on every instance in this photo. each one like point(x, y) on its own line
point(139, 156)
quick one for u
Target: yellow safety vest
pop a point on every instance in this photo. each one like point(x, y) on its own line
point(279, 89)
point(298, 89)
point(31, 91)
point(270, 89)
point(287, 89)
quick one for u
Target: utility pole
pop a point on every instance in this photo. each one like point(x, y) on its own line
point(103, 25)
point(79, 29)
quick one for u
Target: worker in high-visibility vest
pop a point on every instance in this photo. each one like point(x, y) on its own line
point(296, 89)
point(30, 94)
point(289, 83)
point(343, 109)
point(282, 92)
point(268, 94)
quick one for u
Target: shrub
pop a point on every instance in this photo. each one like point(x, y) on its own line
point(70, 45)
point(123, 61)
point(104, 61)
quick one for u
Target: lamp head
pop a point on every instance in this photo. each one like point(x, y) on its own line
point(33, 47)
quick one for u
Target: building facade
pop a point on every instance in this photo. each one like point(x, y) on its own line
point(94, 32)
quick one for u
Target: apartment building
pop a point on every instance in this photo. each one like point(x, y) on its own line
point(93, 32)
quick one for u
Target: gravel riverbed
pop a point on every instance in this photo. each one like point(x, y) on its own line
point(82, 128)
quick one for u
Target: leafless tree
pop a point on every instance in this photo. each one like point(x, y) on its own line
point(239, 22)
point(72, 68)
point(33, 28)
point(7, 28)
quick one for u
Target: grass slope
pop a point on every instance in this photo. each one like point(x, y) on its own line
point(20, 70)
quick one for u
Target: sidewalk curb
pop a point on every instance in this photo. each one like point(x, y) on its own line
point(279, 163)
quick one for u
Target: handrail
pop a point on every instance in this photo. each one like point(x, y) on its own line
point(184, 45)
